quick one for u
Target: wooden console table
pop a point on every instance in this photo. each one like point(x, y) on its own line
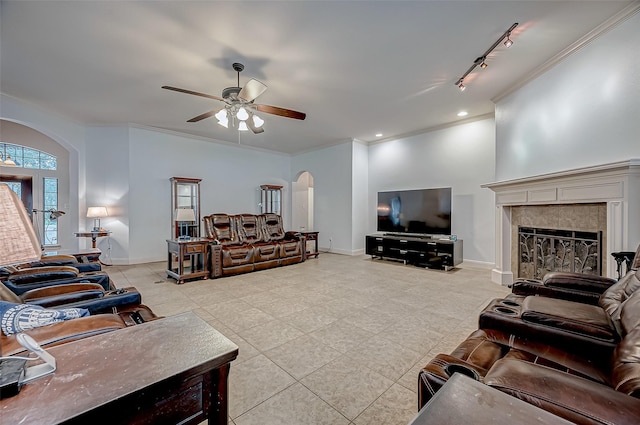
point(171, 370)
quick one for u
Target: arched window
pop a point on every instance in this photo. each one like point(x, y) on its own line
point(16, 156)
point(22, 156)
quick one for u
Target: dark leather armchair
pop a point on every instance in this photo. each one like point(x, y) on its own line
point(83, 327)
point(90, 296)
point(26, 279)
point(583, 387)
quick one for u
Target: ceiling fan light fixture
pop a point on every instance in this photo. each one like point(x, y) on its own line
point(242, 114)
point(257, 121)
point(242, 126)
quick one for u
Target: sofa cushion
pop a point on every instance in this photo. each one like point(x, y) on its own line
point(272, 229)
point(221, 228)
point(583, 319)
point(248, 228)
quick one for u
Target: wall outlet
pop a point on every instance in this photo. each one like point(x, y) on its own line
point(330, 240)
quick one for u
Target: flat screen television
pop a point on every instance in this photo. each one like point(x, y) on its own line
point(420, 211)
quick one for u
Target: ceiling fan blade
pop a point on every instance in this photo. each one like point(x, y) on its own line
point(251, 125)
point(195, 93)
point(274, 110)
point(252, 90)
point(203, 116)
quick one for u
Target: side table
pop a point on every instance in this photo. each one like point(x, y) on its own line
point(312, 236)
point(93, 235)
point(187, 259)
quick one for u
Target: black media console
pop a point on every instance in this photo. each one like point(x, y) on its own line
point(422, 251)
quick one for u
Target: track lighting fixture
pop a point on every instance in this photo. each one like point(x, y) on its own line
point(482, 60)
point(508, 43)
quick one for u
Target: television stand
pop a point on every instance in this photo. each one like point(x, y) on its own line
point(418, 250)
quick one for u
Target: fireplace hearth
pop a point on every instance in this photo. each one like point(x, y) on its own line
point(541, 251)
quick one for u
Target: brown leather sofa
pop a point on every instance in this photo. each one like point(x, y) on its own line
point(246, 242)
point(565, 324)
point(582, 387)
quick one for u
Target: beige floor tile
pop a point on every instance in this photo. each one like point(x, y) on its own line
point(294, 406)
point(347, 386)
point(270, 335)
point(310, 320)
point(341, 335)
point(395, 407)
point(383, 314)
point(254, 381)
point(384, 356)
point(302, 356)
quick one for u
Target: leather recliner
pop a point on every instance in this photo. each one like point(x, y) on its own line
point(23, 280)
point(565, 324)
point(83, 327)
point(579, 387)
point(90, 296)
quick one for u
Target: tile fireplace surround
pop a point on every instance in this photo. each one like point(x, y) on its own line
point(616, 185)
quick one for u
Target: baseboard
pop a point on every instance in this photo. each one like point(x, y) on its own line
point(501, 277)
point(478, 264)
point(341, 251)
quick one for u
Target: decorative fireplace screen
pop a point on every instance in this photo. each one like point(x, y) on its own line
point(544, 250)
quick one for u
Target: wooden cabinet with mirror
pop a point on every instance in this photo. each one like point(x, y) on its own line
point(185, 207)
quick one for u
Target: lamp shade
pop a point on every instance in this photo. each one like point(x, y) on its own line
point(96, 212)
point(185, 214)
point(18, 243)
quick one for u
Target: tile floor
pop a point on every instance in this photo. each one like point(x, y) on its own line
point(333, 340)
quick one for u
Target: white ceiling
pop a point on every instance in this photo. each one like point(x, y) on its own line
point(355, 67)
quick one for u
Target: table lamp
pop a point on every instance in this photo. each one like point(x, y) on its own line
point(96, 213)
point(185, 215)
point(18, 244)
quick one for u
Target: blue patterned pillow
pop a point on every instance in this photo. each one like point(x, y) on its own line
point(16, 318)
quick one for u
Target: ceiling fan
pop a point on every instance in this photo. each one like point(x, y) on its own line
point(239, 107)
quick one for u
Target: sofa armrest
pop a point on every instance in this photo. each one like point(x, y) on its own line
point(291, 235)
point(573, 398)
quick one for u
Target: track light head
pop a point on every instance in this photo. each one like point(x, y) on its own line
point(508, 43)
point(483, 65)
point(461, 86)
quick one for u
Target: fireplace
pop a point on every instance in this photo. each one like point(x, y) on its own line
point(603, 199)
point(541, 251)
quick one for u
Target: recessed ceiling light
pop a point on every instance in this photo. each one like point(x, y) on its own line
point(378, 134)
point(463, 113)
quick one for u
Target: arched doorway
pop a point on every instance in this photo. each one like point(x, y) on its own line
point(302, 199)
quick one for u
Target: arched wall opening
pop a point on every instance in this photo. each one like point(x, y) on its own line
point(302, 202)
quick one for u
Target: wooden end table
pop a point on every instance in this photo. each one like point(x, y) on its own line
point(171, 370)
point(187, 259)
point(94, 235)
point(311, 236)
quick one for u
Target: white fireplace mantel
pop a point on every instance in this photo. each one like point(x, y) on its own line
point(617, 184)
